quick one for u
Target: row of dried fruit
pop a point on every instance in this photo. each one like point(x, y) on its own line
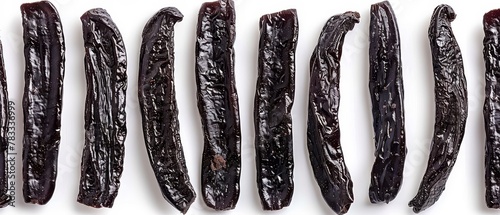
point(105, 117)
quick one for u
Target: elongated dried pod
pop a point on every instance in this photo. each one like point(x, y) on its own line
point(323, 133)
point(386, 91)
point(5, 199)
point(159, 109)
point(451, 108)
point(105, 117)
point(273, 106)
point(491, 111)
point(44, 54)
point(218, 104)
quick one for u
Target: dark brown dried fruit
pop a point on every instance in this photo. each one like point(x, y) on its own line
point(105, 117)
point(218, 104)
point(44, 51)
point(159, 109)
point(5, 199)
point(272, 111)
point(491, 42)
point(451, 108)
point(323, 133)
point(387, 95)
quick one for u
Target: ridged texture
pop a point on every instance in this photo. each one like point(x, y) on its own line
point(386, 91)
point(5, 199)
point(451, 108)
point(218, 104)
point(273, 104)
point(323, 132)
point(44, 54)
point(491, 111)
point(159, 109)
point(105, 117)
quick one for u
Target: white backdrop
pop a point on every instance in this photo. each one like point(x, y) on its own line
point(139, 192)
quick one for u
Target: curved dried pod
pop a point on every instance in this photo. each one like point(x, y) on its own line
point(5, 198)
point(451, 108)
point(323, 132)
point(159, 109)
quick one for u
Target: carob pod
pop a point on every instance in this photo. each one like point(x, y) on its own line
point(105, 117)
point(218, 104)
point(44, 54)
point(5, 199)
point(272, 111)
point(491, 111)
point(451, 108)
point(387, 95)
point(159, 109)
point(323, 132)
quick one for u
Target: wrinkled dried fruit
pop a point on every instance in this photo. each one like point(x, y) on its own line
point(44, 54)
point(386, 90)
point(323, 133)
point(105, 117)
point(272, 111)
point(491, 42)
point(218, 104)
point(451, 108)
point(159, 109)
point(5, 199)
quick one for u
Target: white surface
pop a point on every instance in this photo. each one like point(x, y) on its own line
point(139, 192)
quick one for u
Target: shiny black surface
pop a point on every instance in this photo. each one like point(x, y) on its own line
point(5, 199)
point(218, 104)
point(491, 111)
point(323, 132)
point(387, 95)
point(44, 54)
point(105, 117)
point(159, 109)
point(451, 108)
point(272, 109)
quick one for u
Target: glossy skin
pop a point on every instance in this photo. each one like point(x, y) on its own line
point(105, 117)
point(386, 91)
point(323, 133)
point(5, 199)
point(44, 54)
point(491, 111)
point(272, 111)
point(159, 109)
point(218, 105)
point(451, 108)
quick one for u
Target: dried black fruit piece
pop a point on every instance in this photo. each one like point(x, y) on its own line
point(105, 117)
point(491, 111)
point(218, 104)
point(272, 111)
point(159, 109)
point(386, 91)
point(451, 108)
point(323, 133)
point(5, 199)
point(44, 51)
